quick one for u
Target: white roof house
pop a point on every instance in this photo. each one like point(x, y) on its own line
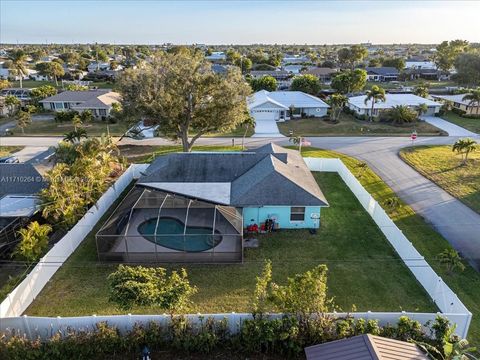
point(275, 105)
point(357, 103)
point(456, 101)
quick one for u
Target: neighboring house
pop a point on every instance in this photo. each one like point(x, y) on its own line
point(99, 102)
point(419, 63)
point(283, 77)
point(93, 66)
point(277, 105)
point(357, 104)
point(457, 102)
point(196, 206)
point(426, 74)
point(293, 69)
point(382, 74)
point(216, 56)
point(325, 75)
point(20, 93)
point(296, 59)
point(35, 75)
point(19, 184)
point(366, 347)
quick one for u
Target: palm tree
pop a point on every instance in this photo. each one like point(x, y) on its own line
point(17, 60)
point(422, 109)
point(337, 102)
point(473, 98)
point(451, 259)
point(375, 94)
point(247, 123)
point(77, 122)
point(401, 114)
point(75, 136)
point(464, 147)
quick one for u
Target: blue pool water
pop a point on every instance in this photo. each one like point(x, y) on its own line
point(167, 228)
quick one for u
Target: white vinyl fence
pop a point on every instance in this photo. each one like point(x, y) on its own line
point(11, 309)
point(24, 294)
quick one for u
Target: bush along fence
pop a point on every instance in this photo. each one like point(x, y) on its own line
point(33, 327)
point(446, 300)
point(277, 334)
point(23, 295)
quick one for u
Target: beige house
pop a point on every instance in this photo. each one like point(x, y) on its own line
point(457, 102)
point(99, 102)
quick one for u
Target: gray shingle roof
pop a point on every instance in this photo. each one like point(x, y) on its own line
point(20, 179)
point(385, 70)
point(80, 96)
point(269, 175)
point(365, 347)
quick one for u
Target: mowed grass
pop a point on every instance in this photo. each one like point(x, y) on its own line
point(425, 239)
point(9, 150)
point(350, 126)
point(444, 167)
point(52, 128)
point(348, 242)
point(469, 124)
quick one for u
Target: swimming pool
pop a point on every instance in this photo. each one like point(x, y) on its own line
point(170, 231)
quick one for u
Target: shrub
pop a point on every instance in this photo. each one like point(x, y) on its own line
point(34, 241)
point(458, 111)
point(141, 286)
point(65, 116)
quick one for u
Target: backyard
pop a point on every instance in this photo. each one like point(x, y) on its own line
point(444, 167)
point(469, 124)
point(82, 280)
point(348, 242)
point(349, 126)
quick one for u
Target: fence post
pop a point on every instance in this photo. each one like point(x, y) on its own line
point(26, 326)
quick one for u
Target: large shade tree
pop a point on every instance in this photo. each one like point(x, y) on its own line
point(266, 82)
point(349, 81)
point(182, 94)
point(307, 83)
point(447, 52)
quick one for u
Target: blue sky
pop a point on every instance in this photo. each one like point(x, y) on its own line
point(238, 22)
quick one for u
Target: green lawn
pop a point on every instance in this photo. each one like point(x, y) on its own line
point(350, 126)
point(52, 128)
point(79, 286)
point(425, 239)
point(8, 150)
point(444, 167)
point(348, 242)
point(469, 124)
point(28, 84)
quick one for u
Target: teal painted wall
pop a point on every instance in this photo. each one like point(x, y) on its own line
point(282, 214)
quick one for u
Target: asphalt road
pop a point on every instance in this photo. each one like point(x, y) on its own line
point(456, 222)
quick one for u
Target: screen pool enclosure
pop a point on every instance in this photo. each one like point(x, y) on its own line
point(151, 225)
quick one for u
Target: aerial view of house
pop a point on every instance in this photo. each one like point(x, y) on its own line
point(195, 207)
point(285, 105)
point(236, 180)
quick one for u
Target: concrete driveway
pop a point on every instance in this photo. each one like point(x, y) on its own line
point(267, 128)
point(450, 128)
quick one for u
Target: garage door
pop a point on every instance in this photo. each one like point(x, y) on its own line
point(264, 115)
point(430, 111)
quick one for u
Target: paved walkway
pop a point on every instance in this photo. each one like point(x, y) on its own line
point(267, 128)
point(29, 153)
point(450, 128)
